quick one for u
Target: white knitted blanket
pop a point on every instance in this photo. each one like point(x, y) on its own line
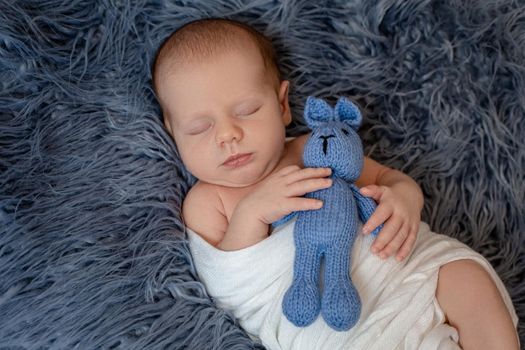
point(399, 308)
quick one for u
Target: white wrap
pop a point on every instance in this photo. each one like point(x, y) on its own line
point(400, 310)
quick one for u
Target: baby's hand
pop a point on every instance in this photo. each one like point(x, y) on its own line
point(401, 215)
point(281, 193)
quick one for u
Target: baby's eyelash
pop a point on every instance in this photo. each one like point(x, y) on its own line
point(200, 129)
point(248, 112)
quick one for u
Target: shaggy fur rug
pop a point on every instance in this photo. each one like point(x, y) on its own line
point(92, 254)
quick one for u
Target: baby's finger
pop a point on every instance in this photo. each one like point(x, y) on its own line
point(380, 215)
point(307, 173)
point(302, 204)
point(305, 186)
point(373, 191)
point(407, 246)
point(386, 235)
point(396, 242)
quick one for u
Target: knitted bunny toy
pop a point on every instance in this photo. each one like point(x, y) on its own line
point(330, 231)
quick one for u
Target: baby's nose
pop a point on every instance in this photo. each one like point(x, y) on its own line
point(228, 131)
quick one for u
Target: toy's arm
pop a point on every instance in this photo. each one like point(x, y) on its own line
point(366, 207)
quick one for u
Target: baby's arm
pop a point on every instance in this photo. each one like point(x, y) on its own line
point(400, 203)
point(274, 197)
point(203, 212)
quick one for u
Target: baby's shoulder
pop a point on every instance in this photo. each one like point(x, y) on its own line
point(295, 148)
point(299, 141)
point(201, 192)
point(203, 212)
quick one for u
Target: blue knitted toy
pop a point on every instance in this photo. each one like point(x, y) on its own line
point(330, 231)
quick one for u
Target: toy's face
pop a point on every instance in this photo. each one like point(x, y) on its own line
point(338, 146)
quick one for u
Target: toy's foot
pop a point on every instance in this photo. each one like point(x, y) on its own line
point(301, 303)
point(341, 305)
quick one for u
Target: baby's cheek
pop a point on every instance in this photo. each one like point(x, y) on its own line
point(191, 161)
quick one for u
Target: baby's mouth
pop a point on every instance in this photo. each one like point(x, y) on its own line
point(237, 160)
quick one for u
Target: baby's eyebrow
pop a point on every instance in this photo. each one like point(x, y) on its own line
point(183, 117)
point(252, 97)
point(196, 117)
point(191, 122)
point(246, 103)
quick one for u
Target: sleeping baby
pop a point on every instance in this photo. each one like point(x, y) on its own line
point(226, 107)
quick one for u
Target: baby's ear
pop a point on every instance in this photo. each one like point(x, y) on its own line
point(283, 100)
point(317, 112)
point(167, 125)
point(346, 111)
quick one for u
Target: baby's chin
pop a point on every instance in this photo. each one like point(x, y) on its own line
point(239, 179)
point(244, 177)
point(235, 182)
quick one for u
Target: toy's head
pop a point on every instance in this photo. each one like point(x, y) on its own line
point(334, 141)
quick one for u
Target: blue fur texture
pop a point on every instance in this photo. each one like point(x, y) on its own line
point(92, 250)
point(329, 233)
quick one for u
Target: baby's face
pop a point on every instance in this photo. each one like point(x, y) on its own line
point(227, 117)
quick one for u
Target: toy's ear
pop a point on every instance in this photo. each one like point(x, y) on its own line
point(346, 111)
point(317, 112)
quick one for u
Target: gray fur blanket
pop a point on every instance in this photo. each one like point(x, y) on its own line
point(92, 254)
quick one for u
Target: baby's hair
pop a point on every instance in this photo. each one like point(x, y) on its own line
point(205, 38)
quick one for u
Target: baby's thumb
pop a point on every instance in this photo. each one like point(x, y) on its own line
point(372, 191)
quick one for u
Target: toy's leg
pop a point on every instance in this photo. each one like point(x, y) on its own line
point(341, 305)
point(301, 302)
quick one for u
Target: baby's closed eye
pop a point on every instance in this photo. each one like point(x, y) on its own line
point(247, 108)
point(244, 112)
point(199, 128)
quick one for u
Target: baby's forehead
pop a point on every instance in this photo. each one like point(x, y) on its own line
point(240, 75)
point(208, 67)
point(185, 57)
point(202, 40)
point(194, 66)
